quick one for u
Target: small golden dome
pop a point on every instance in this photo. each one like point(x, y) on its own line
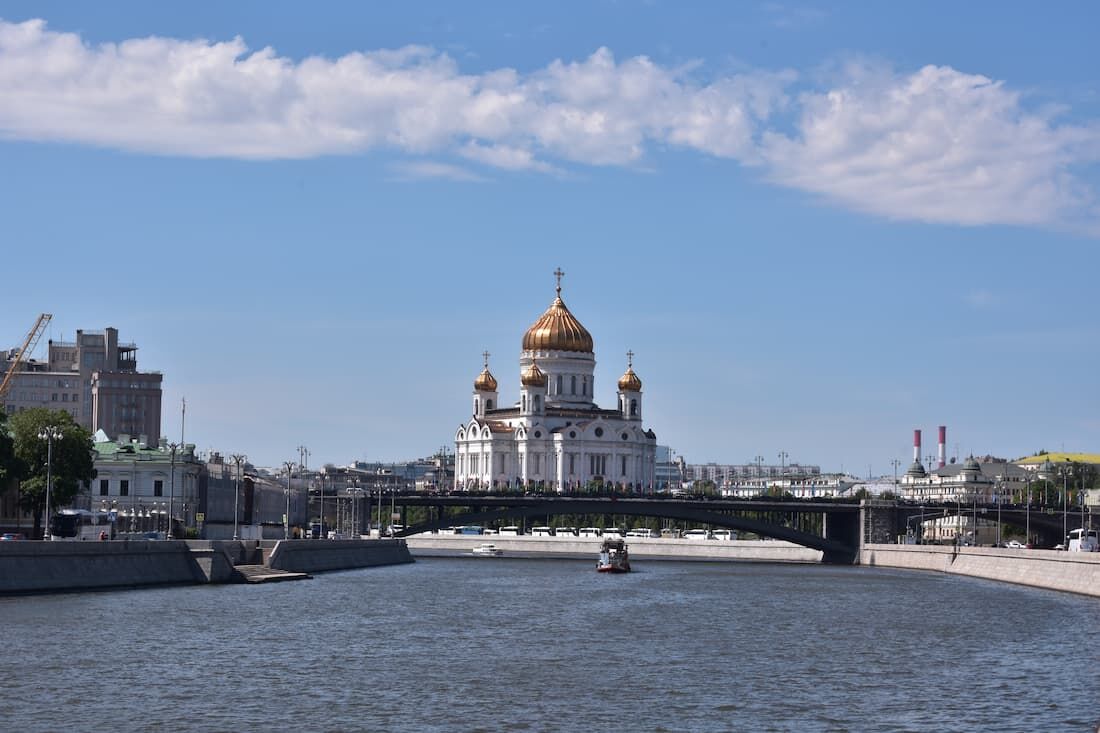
point(533, 376)
point(629, 382)
point(557, 329)
point(485, 381)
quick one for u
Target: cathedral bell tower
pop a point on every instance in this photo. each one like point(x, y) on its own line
point(630, 391)
point(485, 391)
point(532, 396)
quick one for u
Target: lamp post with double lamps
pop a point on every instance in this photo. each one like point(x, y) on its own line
point(50, 433)
point(173, 447)
point(289, 466)
point(237, 458)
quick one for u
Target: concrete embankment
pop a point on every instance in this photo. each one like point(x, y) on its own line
point(35, 567)
point(1074, 572)
point(43, 567)
point(640, 548)
point(315, 556)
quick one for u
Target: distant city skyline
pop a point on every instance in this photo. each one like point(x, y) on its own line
point(816, 228)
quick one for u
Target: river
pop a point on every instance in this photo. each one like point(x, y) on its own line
point(464, 644)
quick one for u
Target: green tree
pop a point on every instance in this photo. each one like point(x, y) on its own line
point(72, 463)
point(8, 466)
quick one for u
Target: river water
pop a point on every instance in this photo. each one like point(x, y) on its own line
point(470, 644)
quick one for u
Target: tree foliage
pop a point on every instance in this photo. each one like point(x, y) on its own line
point(8, 466)
point(72, 461)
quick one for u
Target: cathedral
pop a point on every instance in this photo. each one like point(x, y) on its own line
point(555, 437)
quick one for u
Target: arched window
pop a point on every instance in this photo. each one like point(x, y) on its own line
point(538, 403)
point(524, 401)
point(488, 404)
point(620, 404)
point(584, 387)
point(475, 405)
point(558, 391)
point(573, 385)
point(633, 408)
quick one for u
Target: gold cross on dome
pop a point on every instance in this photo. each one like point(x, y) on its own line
point(559, 274)
point(630, 360)
point(486, 355)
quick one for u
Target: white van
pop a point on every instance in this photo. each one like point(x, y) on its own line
point(724, 534)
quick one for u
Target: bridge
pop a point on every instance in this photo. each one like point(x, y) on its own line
point(834, 527)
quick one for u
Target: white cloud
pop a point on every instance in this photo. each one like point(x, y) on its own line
point(936, 145)
point(419, 170)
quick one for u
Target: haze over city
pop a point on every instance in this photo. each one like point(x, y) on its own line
point(815, 228)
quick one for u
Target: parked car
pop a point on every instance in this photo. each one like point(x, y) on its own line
point(12, 537)
point(1014, 545)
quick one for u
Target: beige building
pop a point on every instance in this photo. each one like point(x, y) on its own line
point(95, 379)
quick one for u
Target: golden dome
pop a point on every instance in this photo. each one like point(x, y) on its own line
point(557, 329)
point(485, 381)
point(533, 376)
point(629, 382)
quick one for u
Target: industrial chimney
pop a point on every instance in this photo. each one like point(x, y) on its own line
point(943, 446)
point(916, 446)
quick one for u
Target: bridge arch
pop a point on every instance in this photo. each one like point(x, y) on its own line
point(833, 550)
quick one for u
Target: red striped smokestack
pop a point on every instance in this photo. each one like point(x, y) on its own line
point(916, 446)
point(943, 446)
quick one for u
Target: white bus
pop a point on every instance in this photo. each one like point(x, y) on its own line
point(1083, 540)
point(509, 531)
point(542, 532)
point(589, 532)
point(698, 534)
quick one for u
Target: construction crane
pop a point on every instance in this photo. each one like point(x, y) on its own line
point(28, 347)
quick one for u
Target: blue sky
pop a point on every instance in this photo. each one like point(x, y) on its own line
point(818, 227)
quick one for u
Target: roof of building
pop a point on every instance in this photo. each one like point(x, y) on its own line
point(1059, 457)
point(557, 330)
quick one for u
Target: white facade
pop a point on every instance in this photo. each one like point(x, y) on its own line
point(555, 436)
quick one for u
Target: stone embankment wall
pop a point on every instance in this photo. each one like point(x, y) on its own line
point(315, 556)
point(34, 567)
point(1074, 572)
point(43, 567)
point(640, 548)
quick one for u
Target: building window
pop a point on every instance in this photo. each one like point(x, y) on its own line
point(558, 391)
point(104, 485)
point(124, 488)
point(158, 487)
point(488, 404)
point(622, 472)
point(634, 408)
point(572, 463)
point(573, 384)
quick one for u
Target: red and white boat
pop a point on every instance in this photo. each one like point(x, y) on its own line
point(614, 557)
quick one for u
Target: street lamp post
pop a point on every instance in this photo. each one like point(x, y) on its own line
point(289, 465)
point(1027, 514)
point(238, 459)
point(895, 463)
point(173, 447)
point(50, 433)
point(1065, 508)
point(303, 456)
point(783, 456)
